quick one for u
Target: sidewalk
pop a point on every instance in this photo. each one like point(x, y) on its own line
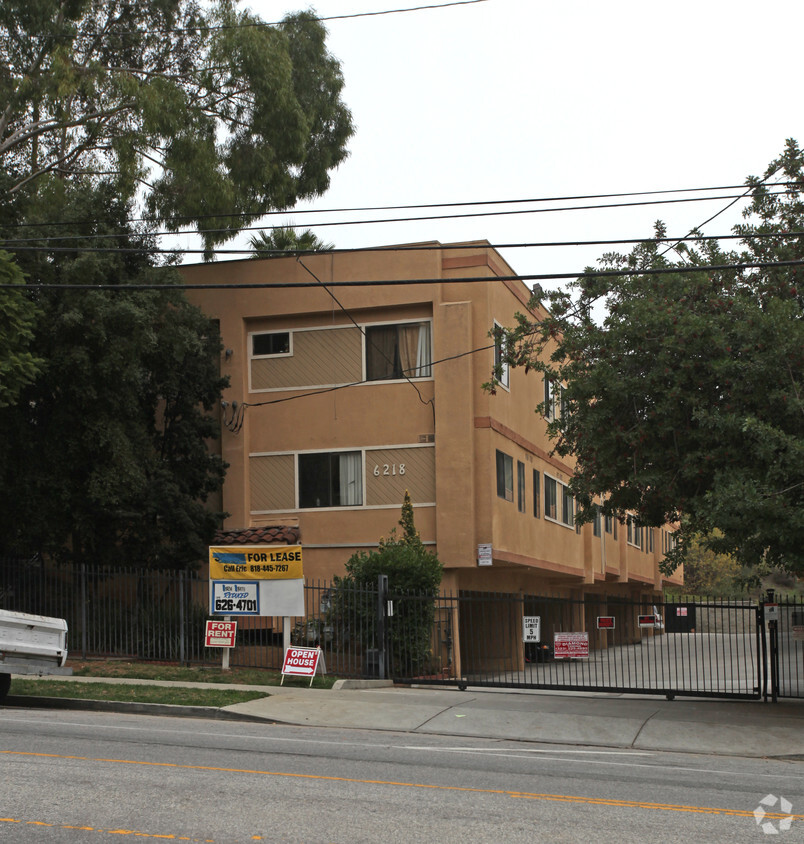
point(686, 725)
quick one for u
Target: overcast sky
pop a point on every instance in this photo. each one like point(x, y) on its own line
point(522, 99)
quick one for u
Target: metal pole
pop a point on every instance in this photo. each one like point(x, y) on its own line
point(382, 596)
point(181, 620)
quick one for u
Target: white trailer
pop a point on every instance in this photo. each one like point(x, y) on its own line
point(31, 644)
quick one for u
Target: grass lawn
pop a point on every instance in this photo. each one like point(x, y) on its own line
point(175, 695)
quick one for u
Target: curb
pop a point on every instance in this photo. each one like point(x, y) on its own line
point(210, 712)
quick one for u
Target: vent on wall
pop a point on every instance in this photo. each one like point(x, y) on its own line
point(426, 438)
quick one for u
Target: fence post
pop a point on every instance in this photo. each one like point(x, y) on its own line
point(182, 644)
point(83, 610)
point(382, 597)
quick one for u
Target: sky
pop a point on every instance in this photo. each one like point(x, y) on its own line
point(521, 99)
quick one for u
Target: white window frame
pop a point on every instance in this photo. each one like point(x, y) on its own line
point(562, 493)
point(287, 354)
point(505, 374)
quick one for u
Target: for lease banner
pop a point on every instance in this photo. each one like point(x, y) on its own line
point(255, 562)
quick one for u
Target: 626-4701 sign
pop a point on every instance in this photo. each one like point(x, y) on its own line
point(236, 597)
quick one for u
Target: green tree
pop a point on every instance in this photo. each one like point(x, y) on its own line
point(414, 576)
point(708, 573)
point(218, 116)
point(104, 458)
point(18, 365)
point(266, 244)
point(686, 403)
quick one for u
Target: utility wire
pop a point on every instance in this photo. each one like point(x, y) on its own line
point(414, 207)
point(422, 247)
point(278, 285)
point(267, 24)
point(427, 218)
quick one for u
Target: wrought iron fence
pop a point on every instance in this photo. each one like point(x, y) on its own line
point(678, 647)
point(597, 643)
point(160, 615)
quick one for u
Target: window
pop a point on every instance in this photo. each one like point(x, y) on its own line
point(650, 540)
point(549, 398)
point(536, 493)
point(504, 377)
point(550, 498)
point(331, 479)
point(505, 476)
point(554, 399)
point(520, 486)
point(275, 343)
point(398, 351)
point(567, 506)
point(596, 522)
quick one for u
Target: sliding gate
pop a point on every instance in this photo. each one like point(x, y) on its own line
point(597, 643)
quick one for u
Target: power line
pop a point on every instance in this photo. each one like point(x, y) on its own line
point(268, 24)
point(414, 207)
point(278, 285)
point(427, 218)
point(422, 247)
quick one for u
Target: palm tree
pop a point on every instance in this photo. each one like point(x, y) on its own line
point(284, 239)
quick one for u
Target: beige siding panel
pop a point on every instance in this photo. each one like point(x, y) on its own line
point(397, 470)
point(331, 356)
point(272, 481)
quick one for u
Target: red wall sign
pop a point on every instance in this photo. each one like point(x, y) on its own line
point(647, 620)
point(571, 645)
point(605, 622)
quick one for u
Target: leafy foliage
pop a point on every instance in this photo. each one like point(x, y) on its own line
point(687, 402)
point(266, 244)
point(18, 364)
point(414, 575)
point(219, 115)
point(106, 451)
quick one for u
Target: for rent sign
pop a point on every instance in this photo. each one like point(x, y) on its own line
point(220, 634)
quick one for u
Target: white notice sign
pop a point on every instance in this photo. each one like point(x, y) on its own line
point(531, 628)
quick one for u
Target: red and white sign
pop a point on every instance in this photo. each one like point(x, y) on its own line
point(646, 620)
point(220, 634)
point(571, 645)
point(301, 662)
point(605, 622)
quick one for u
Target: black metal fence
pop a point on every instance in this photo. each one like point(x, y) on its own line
point(597, 643)
point(697, 647)
point(160, 616)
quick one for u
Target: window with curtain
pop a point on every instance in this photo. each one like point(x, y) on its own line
point(331, 479)
point(398, 351)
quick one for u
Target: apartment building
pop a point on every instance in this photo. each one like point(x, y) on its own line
point(358, 376)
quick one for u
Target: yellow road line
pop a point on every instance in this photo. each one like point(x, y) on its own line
point(558, 798)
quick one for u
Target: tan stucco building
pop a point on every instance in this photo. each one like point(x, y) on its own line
point(334, 433)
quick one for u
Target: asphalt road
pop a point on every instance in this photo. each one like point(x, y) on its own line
point(83, 777)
